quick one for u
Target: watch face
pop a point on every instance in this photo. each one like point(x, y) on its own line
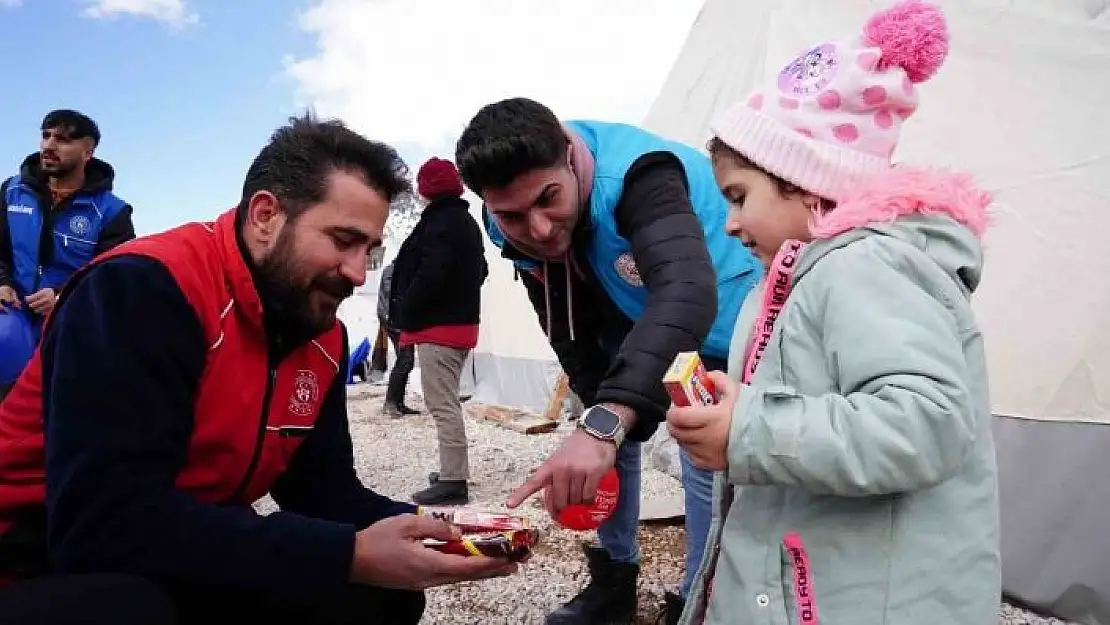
point(602, 420)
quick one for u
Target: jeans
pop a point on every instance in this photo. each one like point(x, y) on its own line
point(698, 486)
point(618, 534)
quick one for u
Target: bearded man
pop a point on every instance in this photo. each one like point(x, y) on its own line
point(185, 375)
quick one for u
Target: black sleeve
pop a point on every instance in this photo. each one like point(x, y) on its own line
point(582, 359)
point(321, 482)
point(5, 237)
point(668, 243)
point(436, 256)
point(122, 361)
point(119, 230)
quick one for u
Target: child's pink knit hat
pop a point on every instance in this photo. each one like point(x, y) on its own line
point(833, 115)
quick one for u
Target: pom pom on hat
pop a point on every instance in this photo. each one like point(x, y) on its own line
point(912, 35)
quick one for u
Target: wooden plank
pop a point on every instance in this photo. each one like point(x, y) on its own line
point(513, 419)
point(555, 405)
point(531, 425)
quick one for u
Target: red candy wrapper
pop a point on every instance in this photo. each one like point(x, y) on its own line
point(688, 383)
point(490, 534)
point(514, 545)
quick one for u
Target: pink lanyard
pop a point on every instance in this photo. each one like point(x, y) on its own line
point(779, 282)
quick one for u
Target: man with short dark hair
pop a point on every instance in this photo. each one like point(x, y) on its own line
point(56, 215)
point(618, 235)
point(187, 374)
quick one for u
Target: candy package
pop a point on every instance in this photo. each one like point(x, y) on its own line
point(492, 534)
point(688, 383)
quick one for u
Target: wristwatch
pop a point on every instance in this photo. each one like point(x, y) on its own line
point(602, 424)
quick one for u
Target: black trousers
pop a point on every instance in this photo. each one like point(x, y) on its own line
point(399, 376)
point(104, 599)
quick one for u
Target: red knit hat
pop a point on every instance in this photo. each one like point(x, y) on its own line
point(439, 178)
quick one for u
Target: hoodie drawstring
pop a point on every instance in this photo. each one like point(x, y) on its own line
point(570, 296)
point(567, 260)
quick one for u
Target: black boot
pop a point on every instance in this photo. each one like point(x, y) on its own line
point(673, 605)
point(405, 410)
point(392, 410)
point(443, 493)
point(609, 598)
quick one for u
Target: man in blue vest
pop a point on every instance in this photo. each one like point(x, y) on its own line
point(56, 215)
point(618, 236)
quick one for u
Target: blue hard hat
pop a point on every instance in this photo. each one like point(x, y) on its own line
point(17, 343)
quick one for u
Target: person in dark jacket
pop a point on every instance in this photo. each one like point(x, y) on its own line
point(617, 236)
point(56, 215)
point(187, 374)
point(437, 283)
point(394, 405)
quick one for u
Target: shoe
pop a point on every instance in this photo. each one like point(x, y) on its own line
point(433, 478)
point(405, 410)
point(609, 598)
point(443, 493)
point(673, 605)
point(392, 410)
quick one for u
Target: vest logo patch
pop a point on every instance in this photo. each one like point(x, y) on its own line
point(625, 266)
point(21, 209)
point(306, 390)
point(79, 224)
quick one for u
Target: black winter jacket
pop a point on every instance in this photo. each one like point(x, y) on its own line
point(439, 270)
point(655, 215)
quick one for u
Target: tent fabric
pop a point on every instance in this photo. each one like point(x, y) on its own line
point(1019, 103)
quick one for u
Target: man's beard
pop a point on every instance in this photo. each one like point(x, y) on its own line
point(287, 292)
point(57, 169)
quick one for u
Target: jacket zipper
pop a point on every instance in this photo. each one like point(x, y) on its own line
point(260, 438)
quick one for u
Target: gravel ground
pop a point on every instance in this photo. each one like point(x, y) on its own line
point(394, 458)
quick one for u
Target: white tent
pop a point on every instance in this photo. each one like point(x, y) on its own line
point(513, 365)
point(1020, 103)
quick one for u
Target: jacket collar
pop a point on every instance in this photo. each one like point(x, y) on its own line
point(237, 271)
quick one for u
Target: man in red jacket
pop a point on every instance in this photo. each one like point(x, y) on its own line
point(185, 375)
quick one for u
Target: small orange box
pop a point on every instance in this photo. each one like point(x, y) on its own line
point(688, 383)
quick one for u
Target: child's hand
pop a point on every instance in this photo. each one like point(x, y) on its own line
point(703, 430)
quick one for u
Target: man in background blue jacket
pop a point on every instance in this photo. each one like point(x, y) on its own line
point(56, 215)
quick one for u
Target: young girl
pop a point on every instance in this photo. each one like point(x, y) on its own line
point(858, 482)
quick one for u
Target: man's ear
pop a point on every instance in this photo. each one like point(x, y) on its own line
point(264, 215)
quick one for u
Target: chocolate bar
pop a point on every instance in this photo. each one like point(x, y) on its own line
point(688, 383)
point(515, 545)
point(492, 534)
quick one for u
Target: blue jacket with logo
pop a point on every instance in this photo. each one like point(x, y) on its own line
point(660, 274)
point(42, 245)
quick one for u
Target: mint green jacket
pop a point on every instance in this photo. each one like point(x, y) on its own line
point(861, 485)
